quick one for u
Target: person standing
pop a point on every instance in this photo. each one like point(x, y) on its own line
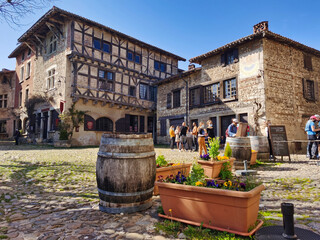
point(210, 129)
point(17, 136)
point(172, 137)
point(311, 135)
point(183, 135)
point(189, 140)
point(201, 139)
point(195, 136)
point(232, 129)
point(177, 133)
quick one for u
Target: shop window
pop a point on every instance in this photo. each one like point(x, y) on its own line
point(104, 124)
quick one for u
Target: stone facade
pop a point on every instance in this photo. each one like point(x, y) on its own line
point(8, 118)
point(273, 76)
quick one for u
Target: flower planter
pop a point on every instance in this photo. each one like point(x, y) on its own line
point(253, 157)
point(212, 168)
point(172, 170)
point(225, 210)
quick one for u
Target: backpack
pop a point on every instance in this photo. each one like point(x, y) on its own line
point(227, 132)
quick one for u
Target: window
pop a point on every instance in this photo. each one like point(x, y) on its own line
point(134, 57)
point(163, 127)
point(160, 66)
point(28, 69)
point(310, 89)
point(27, 95)
point(307, 62)
point(169, 100)
point(20, 98)
point(21, 74)
point(133, 123)
point(150, 124)
point(52, 44)
point(212, 93)
point(54, 121)
point(104, 124)
point(130, 55)
point(101, 45)
point(3, 126)
point(29, 51)
point(230, 88)
point(229, 57)
point(132, 91)
point(153, 93)
point(50, 78)
point(176, 98)
point(3, 101)
point(195, 97)
point(141, 128)
point(106, 80)
point(22, 57)
point(143, 91)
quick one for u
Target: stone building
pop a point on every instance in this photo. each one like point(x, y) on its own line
point(258, 77)
point(8, 118)
point(102, 71)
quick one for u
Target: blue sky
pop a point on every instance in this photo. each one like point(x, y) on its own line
point(187, 28)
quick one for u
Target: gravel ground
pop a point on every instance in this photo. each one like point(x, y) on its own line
point(48, 193)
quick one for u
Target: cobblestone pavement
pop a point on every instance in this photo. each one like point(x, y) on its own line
point(48, 193)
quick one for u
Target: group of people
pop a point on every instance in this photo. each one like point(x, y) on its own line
point(312, 129)
point(194, 138)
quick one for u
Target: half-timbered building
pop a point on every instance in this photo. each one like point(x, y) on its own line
point(104, 72)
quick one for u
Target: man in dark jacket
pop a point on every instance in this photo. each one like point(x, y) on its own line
point(17, 136)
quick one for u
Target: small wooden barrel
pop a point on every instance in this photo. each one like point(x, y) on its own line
point(261, 145)
point(125, 171)
point(241, 150)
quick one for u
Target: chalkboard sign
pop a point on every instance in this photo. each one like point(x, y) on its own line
point(278, 137)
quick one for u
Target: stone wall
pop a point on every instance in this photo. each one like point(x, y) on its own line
point(285, 103)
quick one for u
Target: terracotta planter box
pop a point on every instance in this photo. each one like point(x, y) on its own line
point(253, 158)
point(167, 171)
point(219, 209)
point(212, 168)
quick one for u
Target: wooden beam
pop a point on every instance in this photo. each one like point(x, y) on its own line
point(30, 48)
point(52, 30)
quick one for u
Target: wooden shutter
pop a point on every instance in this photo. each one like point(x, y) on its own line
point(223, 59)
point(316, 91)
point(307, 62)
point(169, 100)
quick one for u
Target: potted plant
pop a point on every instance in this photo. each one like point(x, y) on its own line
point(65, 131)
point(165, 169)
point(213, 167)
point(230, 206)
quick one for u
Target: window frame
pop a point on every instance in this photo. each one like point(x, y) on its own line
point(159, 68)
point(226, 55)
point(169, 100)
point(147, 91)
point(104, 121)
point(215, 99)
point(21, 74)
point(234, 96)
point(307, 62)
point(51, 74)
point(132, 91)
point(191, 90)
point(174, 98)
point(134, 55)
point(106, 81)
point(102, 43)
point(28, 70)
point(315, 92)
point(4, 101)
point(52, 44)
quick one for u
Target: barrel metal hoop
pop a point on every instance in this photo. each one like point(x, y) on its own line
point(126, 209)
point(126, 155)
point(133, 194)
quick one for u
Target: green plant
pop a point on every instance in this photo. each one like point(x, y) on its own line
point(171, 228)
point(228, 151)
point(197, 175)
point(161, 161)
point(214, 145)
point(225, 172)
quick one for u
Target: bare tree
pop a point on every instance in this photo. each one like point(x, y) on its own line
point(12, 11)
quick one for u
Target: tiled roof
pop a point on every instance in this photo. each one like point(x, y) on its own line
point(258, 35)
point(177, 76)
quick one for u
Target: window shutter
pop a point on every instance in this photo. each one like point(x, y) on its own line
point(223, 60)
point(304, 88)
point(201, 95)
point(316, 91)
point(235, 55)
point(169, 100)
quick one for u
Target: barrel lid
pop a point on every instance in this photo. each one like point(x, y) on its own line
point(127, 135)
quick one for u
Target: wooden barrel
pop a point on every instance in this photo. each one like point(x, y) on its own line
point(241, 150)
point(261, 145)
point(125, 171)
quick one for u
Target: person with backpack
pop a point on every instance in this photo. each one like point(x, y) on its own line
point(201, 139)
point(311, 135)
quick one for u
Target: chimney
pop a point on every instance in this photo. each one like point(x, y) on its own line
point(191, 67)
point(260, 27)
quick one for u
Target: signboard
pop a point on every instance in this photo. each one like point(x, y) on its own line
point(279, 143)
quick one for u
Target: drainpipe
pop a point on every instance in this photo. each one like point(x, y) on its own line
point(187, 100)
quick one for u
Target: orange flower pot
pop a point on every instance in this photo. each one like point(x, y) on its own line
point(172, 170)
point(212, 168)
point(220, 209)
point(253, 157)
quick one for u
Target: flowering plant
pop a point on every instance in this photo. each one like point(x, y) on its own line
point(197, 178)
point(205, 157)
